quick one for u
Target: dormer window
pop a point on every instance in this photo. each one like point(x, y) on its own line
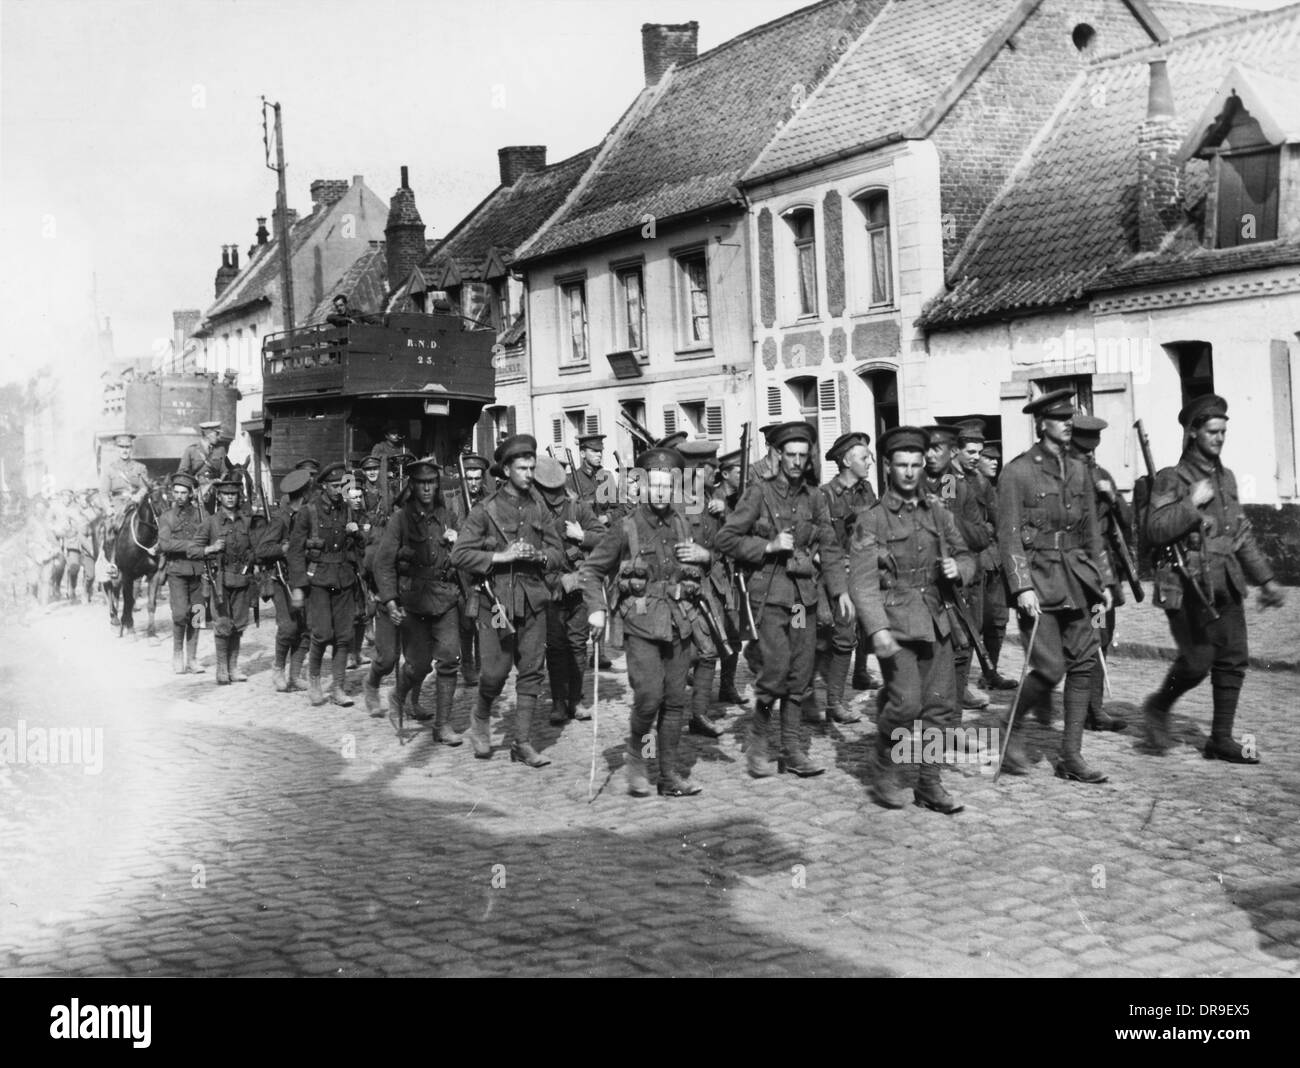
point(1251, 137)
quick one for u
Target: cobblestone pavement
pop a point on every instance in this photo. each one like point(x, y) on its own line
point(233, 831)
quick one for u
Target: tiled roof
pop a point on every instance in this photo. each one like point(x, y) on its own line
point(260, 278)
point(508, 217)
point(888, 79)
point(1068, 217)
point(1180, 17)
point(365, 284)
point(685, 143)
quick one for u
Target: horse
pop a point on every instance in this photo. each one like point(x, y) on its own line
point(136, 556)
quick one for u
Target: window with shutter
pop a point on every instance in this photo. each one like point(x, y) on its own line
point(774, 402)
point(557, 430)
point(828, 411)
point(593, 421)
point(713, 422)
point(670, 421)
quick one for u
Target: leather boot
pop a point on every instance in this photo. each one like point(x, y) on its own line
point(559, 711)
point(1221, 745)
point(467, 669)
point(701, 692)
point(277, 671)
point(929, 792)
point(727, 692)
point(837, 677)
point(1155, 712)
point(178, 648)
point(760, 767)
point(232, 645)
point(339, 669)
point(444, 695)
point(521, 750)
point(671, 782)
point(192, 666)
point(1071, 764)
point(812, 707)
point(223, 659)
point(887, 787)
point(480, 729)
point(413, 708)
point(296, 660)
point(1016, 760)
point(1098, 718)
point(370, 693)
point(314, 692)
point(793, 758)
point(638, 785)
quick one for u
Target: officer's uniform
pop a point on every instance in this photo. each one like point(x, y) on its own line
point(272, 551)
point(1112, 512)
point(784, 589)
point(203, 461)
point(498, 521)
point(566, 614)
point(233, 570)
point(412, 568)
point(324, 557)
point(596, 486)
point(121, 483)
point(654, 607)
point(178, 529)
point(1051, 544)
point(837, 633)
point(1221, 553)
point(895, 574)
point(469, 651)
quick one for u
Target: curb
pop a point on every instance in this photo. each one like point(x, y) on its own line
point(1149, 651)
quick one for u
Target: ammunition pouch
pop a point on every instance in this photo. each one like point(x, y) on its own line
point(1168, 586)
point(266, 587)
point(800, 564)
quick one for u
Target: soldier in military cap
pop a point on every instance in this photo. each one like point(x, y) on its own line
point(509, 539)
point(1112, 512)
point(660, 570)
point(392, 443)
point(370, 489)
point(204, 460)
point(420, 595)
point(1195, 505)
point(475, 476)
point(272, 551)
point(325, 552)
point(226, 537)
point(1057, 572)
point(770, 462)
point(566, 614)
point(779, 527)
point(847, 495)
point(125, 481)
point(178, 531)
point(906, 544)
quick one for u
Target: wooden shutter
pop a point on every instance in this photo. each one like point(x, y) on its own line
point(828, 412)
point(670, 421)
point(774, 402)
point(593, 421)
point(557, 430)
point(510, 420)
point(713, 422)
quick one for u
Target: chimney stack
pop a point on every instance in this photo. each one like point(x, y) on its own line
point(404, 234)
point(326, 192)
point(1160, 184)
point(517, 160)
point(226, 272)
point(664, 44)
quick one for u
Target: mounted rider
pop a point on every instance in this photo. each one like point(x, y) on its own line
point(124, 482)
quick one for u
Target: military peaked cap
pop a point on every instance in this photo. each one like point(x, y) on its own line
point(1059, 404)
point(1199, 409)
point(845, 442)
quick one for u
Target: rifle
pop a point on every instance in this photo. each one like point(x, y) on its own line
point(737, 572)
point(638, 432)
point(573, 476)
point(222, 625)
point(1119, 544)
point(1173, 551)
point(955, 602)
point(483, 585)
point(710, 617)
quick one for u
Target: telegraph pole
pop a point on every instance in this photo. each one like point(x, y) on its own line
point(282, 213)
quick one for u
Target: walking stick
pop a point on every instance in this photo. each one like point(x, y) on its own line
point(595, 716)
point(1015, 703)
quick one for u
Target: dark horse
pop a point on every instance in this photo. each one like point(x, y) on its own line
point(136, 557)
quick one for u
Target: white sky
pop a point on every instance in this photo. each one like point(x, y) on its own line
point(131, 137)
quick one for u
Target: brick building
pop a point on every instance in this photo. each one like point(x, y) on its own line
point(1146, 250)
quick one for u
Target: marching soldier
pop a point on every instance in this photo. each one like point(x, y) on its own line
point(475, 472)
point(995, 586)
point(1112, 512)
point(566, 613)
point(273, 552)
point(1195, 503)
point(325, 551)
point(371, 521)
point(778, 528)
point(595, 485)
point(227, 535)
point(660, 572)
point(728, 494)
point(508, 539)
point(371, 491)
point(1056, 571)
point(124, 482)
point(178, 529)
point(420, 595)
point(908, 543)
point(847, 495)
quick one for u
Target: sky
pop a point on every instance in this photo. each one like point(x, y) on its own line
point(131, 131)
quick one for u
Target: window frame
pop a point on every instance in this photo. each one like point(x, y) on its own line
point(563, 287)
point(685, 319)
point(1222, 164)
point(622, 340)
point(795, 290)
point(864, 251)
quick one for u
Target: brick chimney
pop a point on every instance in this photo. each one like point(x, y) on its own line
point(517, 160)
point(664, 44)
point(404, 234)
point(1159, 175)
point(226, 272)
point(327, 191)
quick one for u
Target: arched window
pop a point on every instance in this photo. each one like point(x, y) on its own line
point(803, 229)
point(879, 281)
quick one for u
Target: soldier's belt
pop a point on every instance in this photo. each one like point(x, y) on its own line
point(1220, 544)
point(331, 558)
point(1058, 540)
point(914, 578)
point(672, 591)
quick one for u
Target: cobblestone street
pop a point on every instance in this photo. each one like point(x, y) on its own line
point(233, 831)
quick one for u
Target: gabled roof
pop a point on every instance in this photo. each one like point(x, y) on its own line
point(365, 284)
point(685, 142)
point(1067, 219)
point(502, 222)
point(1270, 99)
